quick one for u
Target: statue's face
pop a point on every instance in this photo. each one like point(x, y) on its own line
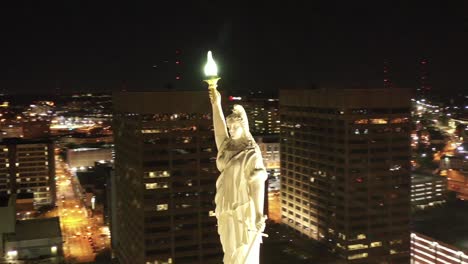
point(235, 130)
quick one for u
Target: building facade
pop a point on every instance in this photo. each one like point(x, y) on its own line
point(263, 113)
point(165, 176)
point(428, 190)
point(28, 166)
point(345, 170)
point(35, 240)
point(426, 250)
point(87, 157)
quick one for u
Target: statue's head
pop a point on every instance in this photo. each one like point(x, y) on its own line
point(237, 123)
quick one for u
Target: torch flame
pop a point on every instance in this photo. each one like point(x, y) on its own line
point(210, 67)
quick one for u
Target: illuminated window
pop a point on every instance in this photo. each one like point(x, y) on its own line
point(156, 185)
point(5, 150)
point(378, 121)
point(162, 207)
point(361, 121)
point(399, 120)
point(150, 186)
point(397, 241)
point(150, 131)
point(12, 254)
point(158, 174)
point(376, 244)
point(358, 256)
point(53, 250)
point(357, 246)
point(392, 252)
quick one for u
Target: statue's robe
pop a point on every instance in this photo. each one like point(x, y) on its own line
point(240, 172)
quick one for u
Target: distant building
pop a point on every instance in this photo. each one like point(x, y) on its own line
point(165, 178)
point(7, 219)
point(37, 239)
point(263, 114)
point(428, 190)
point(345, 170)
point(25, 206)
point(11, 131)
point(270, 148)
point(87, 157)
point(95, 183)
point(28, 166)
point(36, 128)
point(80, 139)
point(458, 182)
point(425, 249)
point(453, 163)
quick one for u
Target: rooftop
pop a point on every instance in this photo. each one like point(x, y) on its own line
point(36, 229)
point(18, 141)
point(421, 178)
point(435, 223)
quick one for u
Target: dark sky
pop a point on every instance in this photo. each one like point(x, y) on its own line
point(99, 45)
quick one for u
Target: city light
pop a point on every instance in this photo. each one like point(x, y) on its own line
point(12, 254)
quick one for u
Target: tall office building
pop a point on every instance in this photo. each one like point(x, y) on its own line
point(263, 113)
point(345, 168)
point(28, 166)
point(165, 177)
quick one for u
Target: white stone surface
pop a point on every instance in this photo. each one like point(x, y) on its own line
point(240, 187)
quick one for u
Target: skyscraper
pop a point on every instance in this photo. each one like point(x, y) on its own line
point(263, 113)
point(345, 168)
point(28, 166)
point(165, 176)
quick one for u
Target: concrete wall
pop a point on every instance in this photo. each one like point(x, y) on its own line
point(29, 249)
point(7, 220)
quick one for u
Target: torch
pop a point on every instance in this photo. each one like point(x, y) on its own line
point(211, 72)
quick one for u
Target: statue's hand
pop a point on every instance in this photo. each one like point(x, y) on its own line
point(260, 222)
point(215, 96)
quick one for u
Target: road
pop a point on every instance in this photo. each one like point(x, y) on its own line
point(84, 236)
point(274, 206)
point(458, 182)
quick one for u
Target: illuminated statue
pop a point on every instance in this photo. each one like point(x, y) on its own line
point(241, 186)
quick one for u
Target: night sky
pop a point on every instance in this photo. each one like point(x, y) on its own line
point(102, 45)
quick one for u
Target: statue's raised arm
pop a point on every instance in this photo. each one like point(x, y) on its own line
point(219, 121)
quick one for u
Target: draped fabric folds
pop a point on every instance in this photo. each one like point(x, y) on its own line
point(235, 209)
